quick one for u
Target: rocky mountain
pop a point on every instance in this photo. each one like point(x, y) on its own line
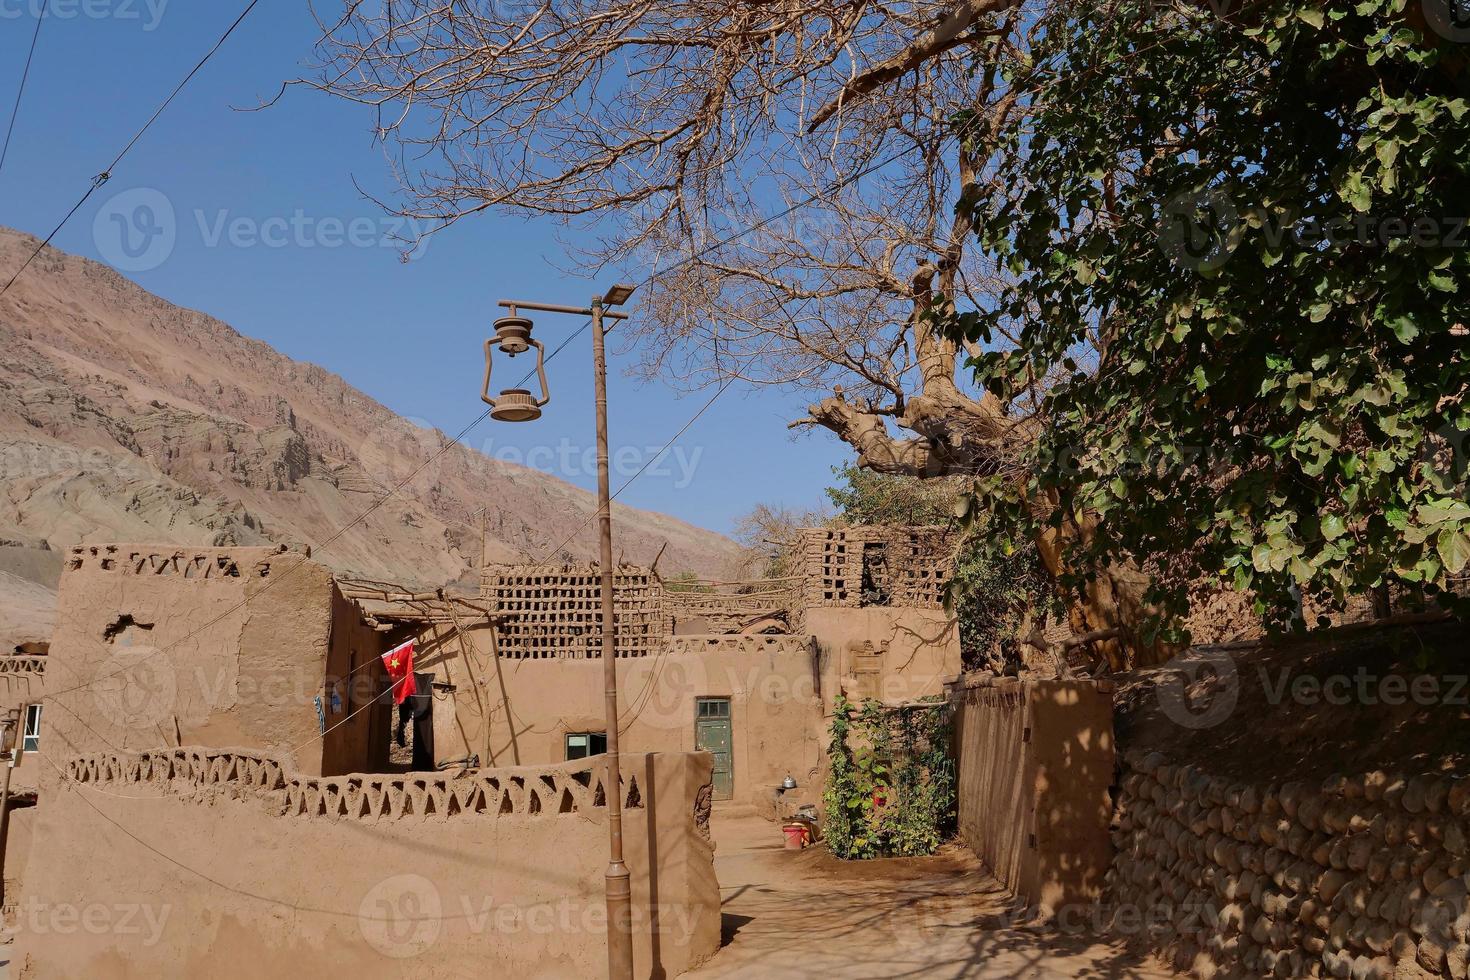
point(125, 418)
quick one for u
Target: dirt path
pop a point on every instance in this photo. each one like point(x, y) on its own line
point(807, 914)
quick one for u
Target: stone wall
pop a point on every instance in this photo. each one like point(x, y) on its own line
point(1363, 876)
point(225, 863)
point(1035, 761)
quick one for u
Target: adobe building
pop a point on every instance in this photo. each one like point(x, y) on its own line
point(22, 687)
point(746, 671)
point(216, 799)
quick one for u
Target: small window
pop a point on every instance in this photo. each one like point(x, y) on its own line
point(713, 707)
point(32, 739)
point(580, 745)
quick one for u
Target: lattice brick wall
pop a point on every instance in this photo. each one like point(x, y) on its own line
point(725, 613)
point(876, 566)
point(556, 610)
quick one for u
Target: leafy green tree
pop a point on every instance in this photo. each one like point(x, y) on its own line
point(1240, 272)
point(868, 497)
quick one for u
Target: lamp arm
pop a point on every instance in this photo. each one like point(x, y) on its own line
point(485, 389)
point(540, 373)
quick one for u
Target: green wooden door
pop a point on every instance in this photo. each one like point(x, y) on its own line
point(713, 734)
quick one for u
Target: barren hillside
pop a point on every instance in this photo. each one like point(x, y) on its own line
point(125, 418)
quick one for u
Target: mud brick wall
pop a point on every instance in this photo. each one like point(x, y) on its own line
point(366, 876)
point(1363, 876)
point(1034, 760)
point(886, 566)
point(555, 611)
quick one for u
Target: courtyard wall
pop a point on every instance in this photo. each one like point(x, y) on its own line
point(226, 864)
point(1035, 761)
point(157, 645)
point(519, 712)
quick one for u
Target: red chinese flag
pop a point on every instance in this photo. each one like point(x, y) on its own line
point(399, 662)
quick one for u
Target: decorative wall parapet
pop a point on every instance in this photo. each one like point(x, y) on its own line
point(694, 646)
point(185, 563)
point(204, 775)
point(22, 665)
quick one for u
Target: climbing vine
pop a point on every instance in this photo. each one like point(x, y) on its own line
point(890, 783)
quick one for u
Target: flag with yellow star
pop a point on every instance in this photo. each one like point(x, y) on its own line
point(399, 662)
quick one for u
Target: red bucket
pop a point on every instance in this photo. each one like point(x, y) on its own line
point(796, 836)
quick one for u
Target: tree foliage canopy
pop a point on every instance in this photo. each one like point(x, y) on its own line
point(1238, 247)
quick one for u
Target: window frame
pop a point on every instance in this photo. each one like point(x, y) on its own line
point(30, 738)
point(592, 738)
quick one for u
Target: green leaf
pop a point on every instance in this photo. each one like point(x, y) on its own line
point(1388, 153)
point(1333, 527)
point(1453, 547)
point(1444, 511)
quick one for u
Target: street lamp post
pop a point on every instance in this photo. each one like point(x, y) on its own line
point(513, 336)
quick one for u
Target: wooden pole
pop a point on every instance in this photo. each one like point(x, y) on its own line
point(20, 734)
point(619, 886)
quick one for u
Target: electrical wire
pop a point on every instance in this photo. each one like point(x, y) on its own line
point(657, 667)
point(24, 75)
point(106, 174)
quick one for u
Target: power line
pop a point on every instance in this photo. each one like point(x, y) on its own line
point(25, 74)
point(828, 190)
point(361, 516)
point(106, 174)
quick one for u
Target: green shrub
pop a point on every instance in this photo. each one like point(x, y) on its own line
point(890, 785)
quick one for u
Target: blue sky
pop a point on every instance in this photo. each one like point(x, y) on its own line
point(270, 235)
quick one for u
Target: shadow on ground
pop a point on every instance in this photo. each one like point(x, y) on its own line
point(807, 914)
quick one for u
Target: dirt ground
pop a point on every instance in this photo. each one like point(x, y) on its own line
point(805, 914)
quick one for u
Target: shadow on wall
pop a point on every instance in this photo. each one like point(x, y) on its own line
point(1035, 761)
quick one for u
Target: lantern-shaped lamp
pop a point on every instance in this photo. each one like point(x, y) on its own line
point(513, 336)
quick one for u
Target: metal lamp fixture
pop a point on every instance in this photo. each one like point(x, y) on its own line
point(513, 333)
point(513, 336)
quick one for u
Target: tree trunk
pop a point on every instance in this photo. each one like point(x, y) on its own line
point(1112, 600)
